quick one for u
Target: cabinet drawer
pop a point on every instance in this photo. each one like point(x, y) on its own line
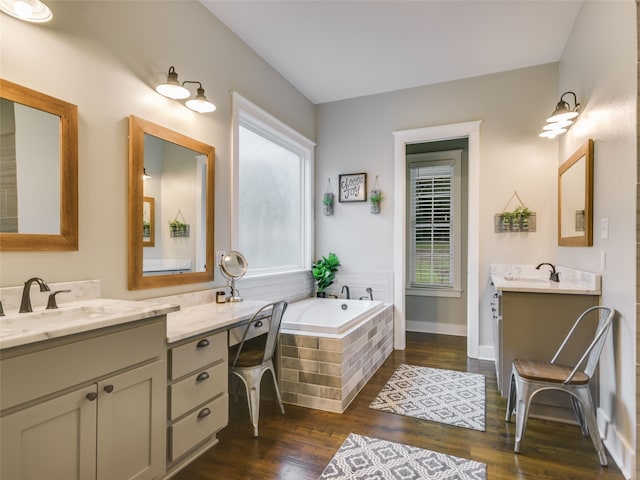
point(197, 388)
point(197, 354)
point(258, 328)
point(191, 430)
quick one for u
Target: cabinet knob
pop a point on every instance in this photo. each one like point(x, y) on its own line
point(203, 343)
point(258, 324)
point(202, 377)
point(205, 412)
point(108, 388)
point(92, 396)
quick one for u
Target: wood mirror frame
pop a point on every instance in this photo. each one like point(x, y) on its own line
point(584, 198)
point(67, 239)
point(137, 280)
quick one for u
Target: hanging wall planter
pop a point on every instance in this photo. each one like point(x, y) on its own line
point(178, 227)
point(327, 200)
point(521, 219)
point(375, 197)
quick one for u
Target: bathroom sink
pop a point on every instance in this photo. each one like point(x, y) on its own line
point(527, 280)
point(75, 317)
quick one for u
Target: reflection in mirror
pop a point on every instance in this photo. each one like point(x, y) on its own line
point(233, 265)
point(38, 171)
point(575, 198)
point(170, 209)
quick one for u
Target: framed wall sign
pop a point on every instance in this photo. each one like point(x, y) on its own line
point(353, 187)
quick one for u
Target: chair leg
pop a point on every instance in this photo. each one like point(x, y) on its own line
point(511, 398)
point(592, 424)
point(275, 386)
point(577, 409)
point(523, 397)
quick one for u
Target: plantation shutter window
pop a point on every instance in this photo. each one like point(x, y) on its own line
point(432, 242)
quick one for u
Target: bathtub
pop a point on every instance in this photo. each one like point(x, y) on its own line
point(330, 348)
point(333, 316)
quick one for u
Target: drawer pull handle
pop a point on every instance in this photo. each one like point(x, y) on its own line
point(108, 388)
point(92, 396)
point(203, 343)
point(202, 377)
point(205, 412)
point(258, 324)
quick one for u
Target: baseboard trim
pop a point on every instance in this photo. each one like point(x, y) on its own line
point(617, 445)
point(434, 327)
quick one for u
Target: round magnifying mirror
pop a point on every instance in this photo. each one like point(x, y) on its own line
point(233, 265)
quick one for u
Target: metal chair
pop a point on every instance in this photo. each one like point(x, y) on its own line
point(253, 357)
point(531, 377)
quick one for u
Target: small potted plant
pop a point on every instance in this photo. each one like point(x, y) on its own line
point(327, 203)
point(506, 219)
point(324, 272)
point(521, 216)
point(375, 198)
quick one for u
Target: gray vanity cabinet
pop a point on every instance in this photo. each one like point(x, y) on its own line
point(532, 325)
point(87, 406)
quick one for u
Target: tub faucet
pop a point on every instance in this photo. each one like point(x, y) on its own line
point(348, 292)
point(553, 275)
point(369, 290)
point(25, 304)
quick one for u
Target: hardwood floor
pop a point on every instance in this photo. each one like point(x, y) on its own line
point(299, 444)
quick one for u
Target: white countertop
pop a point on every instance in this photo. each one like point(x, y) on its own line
point(74, 317)
point(525, 278)
point(207, 317)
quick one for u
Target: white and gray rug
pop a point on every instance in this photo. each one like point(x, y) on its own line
point(365, 458)
point(444, 396)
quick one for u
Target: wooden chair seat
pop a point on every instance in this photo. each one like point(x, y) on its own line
point(548, 372)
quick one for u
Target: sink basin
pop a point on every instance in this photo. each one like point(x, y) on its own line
point(527, 279)
point(61, 314)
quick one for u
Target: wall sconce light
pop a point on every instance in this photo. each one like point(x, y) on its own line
point(562, 117)
point(145, 175)
point(199, 103)
point(173, 89)
point(28, 10)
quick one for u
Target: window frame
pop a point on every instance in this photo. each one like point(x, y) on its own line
point(250, 116)
point(449, 157)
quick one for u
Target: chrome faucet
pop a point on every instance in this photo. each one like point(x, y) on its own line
point(25, 304)
point(553, 276)
point(348, 292)
point(369, 290)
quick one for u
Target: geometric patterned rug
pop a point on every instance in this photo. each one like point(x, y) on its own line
point(361, 458)
point(444, 396)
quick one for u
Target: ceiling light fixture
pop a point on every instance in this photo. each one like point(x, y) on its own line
point(28, 10)
point(172, 88)
point(562, 117)
point(199, 103)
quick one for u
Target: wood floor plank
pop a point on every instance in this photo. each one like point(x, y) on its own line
point(299, 444)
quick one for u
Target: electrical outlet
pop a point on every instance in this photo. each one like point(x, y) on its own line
point(603, 260)
point(604, 228)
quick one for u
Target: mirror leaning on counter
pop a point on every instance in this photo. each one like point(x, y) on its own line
point(233, 266)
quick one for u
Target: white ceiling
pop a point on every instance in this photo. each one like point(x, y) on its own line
point(333, 50)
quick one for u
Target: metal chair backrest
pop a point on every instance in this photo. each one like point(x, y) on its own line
point(592, 353)
point(277, 312)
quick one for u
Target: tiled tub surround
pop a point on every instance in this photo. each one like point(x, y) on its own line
point(326, 372)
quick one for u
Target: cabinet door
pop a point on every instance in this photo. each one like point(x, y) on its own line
point(53, 439)
point(131, 424)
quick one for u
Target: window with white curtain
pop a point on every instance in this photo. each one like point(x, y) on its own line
point(272, 205)
point(434, 223)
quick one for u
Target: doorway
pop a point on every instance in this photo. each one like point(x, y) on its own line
point(402, 138)
point(437, 186)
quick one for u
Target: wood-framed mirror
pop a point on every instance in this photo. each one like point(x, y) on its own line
point(575, 198)
point(177, 172)
point(39, 174)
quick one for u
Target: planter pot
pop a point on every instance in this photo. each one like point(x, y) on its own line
point(321, 294)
